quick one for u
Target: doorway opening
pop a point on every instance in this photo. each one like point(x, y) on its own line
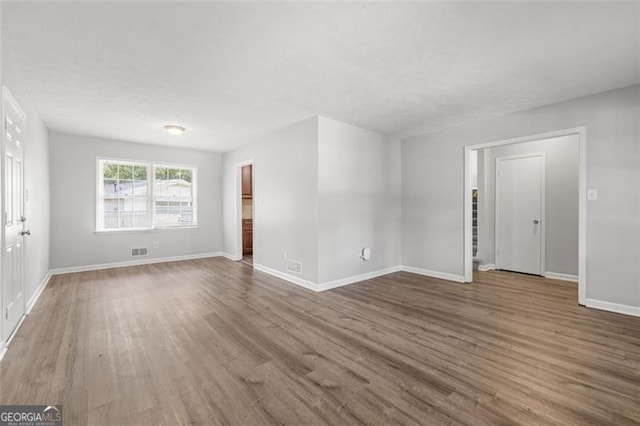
point(245, 212)
point(525, 206)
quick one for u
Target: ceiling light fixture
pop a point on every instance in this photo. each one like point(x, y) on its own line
point(174, 129)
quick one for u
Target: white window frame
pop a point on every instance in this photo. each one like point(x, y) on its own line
point(151, 170)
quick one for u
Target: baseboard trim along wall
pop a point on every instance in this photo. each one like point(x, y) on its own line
point(434, 274)
point(357, 278)
point(137, 262)
point(30, 304)
point(279, 274)
point(559, 276)
point(231, 256)
point(486, 267)
point(38, 293)
point(613, 307)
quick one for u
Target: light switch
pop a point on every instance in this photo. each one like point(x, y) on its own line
point(592, 194)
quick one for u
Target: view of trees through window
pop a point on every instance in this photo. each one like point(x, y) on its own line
point(126, 202)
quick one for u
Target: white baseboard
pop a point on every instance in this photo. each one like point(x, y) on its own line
point(4, 346)
point(357, 278)
point(613, 307)
point(282, 275)
point(559, 276)
point(231, 256)
point(486, 267)
point(329, 284)
point(434, 274)
point(137, 262)
point(38, 292)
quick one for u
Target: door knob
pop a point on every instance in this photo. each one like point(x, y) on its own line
point(23, 233)
point(536, 221)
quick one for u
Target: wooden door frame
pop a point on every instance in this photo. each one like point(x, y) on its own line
point(581, 133)
point(543, 198)
point(238, 205)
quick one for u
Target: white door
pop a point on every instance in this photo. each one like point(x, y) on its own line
point(13, 304)
point(520, 213)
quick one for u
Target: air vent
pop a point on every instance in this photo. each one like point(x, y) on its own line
point(294, 266)
point(139, 251)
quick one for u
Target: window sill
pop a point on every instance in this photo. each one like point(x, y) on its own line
point(145, 230)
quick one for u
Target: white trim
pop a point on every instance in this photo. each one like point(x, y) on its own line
point(36, 295)
point(124, 264)
point(581, 132)
point(559, 276)
point(497, 212)
point(357, 278)
point(613, 307)
point(434, 274)
point(284, 276)
point(329, 284)
point(4, 346)
point(582, 216)
point(486, 267)
point(231, 256)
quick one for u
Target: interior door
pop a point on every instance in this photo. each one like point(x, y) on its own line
point(519, 213)
point(13, 303)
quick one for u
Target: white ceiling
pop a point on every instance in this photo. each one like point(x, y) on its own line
point(231, 72)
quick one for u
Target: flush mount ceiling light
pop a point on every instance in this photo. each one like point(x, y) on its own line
point(174, 129)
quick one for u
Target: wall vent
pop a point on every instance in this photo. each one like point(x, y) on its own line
point(294, 266)
point(138, 251)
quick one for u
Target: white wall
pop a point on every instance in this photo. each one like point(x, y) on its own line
point(432, 187)
point(561, 206)
point(74, 242)
point(358, 200)
point(36, 161)
point(285, 179)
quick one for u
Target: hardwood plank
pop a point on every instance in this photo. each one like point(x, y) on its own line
point(212, 341)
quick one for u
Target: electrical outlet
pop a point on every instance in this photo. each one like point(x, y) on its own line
point(284, 255)
point(156, 244)
point(592, 194)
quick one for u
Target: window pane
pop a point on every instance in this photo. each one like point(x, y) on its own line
point(110, 187)
point(140, 173)
point(123, 204)
point(125, 188)
point(140, 188)
point(110, 171)
point(161, 173)
point(173, 197)
point(125, 172)
point(110, 209)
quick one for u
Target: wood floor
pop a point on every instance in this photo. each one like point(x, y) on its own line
point(212, 341)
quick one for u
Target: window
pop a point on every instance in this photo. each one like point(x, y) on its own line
point(139, 196)
point(173, 196)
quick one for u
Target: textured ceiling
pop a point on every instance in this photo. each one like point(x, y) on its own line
point(231, 72)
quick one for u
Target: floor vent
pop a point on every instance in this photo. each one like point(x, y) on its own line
point(294, 266)
point(140, 251)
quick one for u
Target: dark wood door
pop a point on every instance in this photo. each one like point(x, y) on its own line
point(247, 185)
point(247, 237)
